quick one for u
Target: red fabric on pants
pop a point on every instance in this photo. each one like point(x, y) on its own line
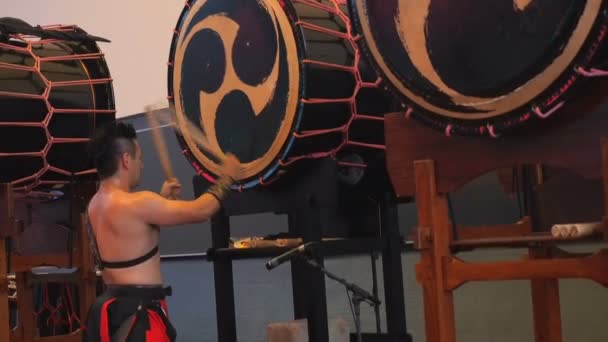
point(158, 330)
point(104, 328)
point(150, 323)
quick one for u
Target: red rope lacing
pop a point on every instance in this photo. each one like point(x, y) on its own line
point(27, 184)
point(62, 316)
point(351, 40)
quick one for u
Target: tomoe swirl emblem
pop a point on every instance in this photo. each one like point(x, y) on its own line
point(235, 68)
point(473, 64)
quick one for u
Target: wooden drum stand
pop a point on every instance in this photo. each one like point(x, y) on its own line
point(78, 256)
point(429, 165)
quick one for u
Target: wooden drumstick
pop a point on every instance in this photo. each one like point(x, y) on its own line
point(556, 231)
point(562, 231)
point(159, 142)
point(195, 134)
point(575, 230)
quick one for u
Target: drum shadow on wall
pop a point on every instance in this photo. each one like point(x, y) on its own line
point(279, 84)
point(484, 68)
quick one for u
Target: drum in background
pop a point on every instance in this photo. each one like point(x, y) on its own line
point(275, 83)
point(482, 67)
point(53, 95)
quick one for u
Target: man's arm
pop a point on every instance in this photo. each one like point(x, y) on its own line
point(154, 209)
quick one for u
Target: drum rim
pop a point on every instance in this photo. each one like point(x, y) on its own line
point(504, 123)
point(269, 172)
point(93, 69)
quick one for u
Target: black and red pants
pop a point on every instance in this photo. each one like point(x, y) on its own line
point(130, 314)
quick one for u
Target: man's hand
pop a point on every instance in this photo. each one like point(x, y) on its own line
point(171, 189)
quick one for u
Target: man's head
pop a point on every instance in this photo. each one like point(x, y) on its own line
point(116, 152)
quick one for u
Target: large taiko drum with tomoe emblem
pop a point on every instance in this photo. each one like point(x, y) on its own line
point(55, 90)
point(274, 83)
point(471, 67)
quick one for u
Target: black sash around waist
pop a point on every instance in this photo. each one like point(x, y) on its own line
point(139, 291)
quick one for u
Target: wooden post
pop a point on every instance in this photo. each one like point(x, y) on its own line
point(545, 303)
point(7, 223)
point(4, 304)
point(426, 278)
point(604, 149)
point(433, 213)
point(88, 278)
point(87, 282)
point(25, 306)
point(546, 306)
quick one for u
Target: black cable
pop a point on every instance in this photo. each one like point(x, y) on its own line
point(70, 242)
point(374, 256)
point(526, 188)
point(352, 311)
point(517, 188)
point(452, 217)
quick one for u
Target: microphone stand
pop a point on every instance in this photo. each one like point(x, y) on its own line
point(359, 294)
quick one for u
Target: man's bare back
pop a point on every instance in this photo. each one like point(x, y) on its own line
point(121, 235)
point(125, 229)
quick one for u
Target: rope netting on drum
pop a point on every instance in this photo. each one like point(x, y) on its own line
point(347, 36)
point(27, 184)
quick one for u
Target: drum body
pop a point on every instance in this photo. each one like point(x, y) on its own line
point(482, 67)
point(53, 95)
point(275, 83)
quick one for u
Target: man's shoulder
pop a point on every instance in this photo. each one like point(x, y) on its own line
point(120, 201)
point(138, 199)
point(144, 195)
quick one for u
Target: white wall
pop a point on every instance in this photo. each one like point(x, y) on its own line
point(140, 31)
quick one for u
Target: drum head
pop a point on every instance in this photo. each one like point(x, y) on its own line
point(477, 67)
point(235, 73)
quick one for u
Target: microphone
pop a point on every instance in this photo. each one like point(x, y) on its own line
point(289, 255)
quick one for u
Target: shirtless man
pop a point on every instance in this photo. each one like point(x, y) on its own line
point(124, 229)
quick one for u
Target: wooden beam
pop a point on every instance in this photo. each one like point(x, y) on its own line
point(542, 238)
point(73, 337)
point(523, 227)
point(24, 263)
point(594, 267)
